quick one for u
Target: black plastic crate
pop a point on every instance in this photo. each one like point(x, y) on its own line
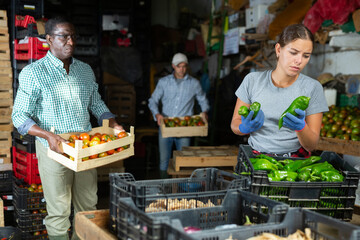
point(10, 232)
point(24, 199)
point(322, 228)
point(30, 221)
point(201, 180)
point(6, 181)
point(25, 143)
point(335, 199)
point(133, 223)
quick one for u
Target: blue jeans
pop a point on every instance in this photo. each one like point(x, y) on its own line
point(165, 148)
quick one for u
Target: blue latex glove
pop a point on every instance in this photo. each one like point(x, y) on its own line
point(296, 123)
point(247, 125)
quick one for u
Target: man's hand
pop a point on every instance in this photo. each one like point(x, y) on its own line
point(205, 115)
point(55, 142)
point(115, 125)
point(158, 118)
point(249, 125)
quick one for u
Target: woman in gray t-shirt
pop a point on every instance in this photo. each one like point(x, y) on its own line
point(275, 90)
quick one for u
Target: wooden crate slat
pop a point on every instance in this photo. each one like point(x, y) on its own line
point(5, 139)
point(4, 54)
point(5, 83)
point(6, 72)
point(4, 46)
point(204, 157)
point(5, 155)
point(7, 94)
point(4, 35)
point(3, 14)
point(2, 220)
point(5, 64)
point(5, 114)
point(6, 102)
point(339, 146)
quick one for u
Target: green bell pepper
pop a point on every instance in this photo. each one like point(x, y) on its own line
point(308, 168)
point(297, 164)
point(323, 167)
point(270, 159)
point(304, 176)
point(243, 111)
point(301, 102)
point(263, 164)
point(331, 176)
point(283, 175)
point(255, 106)
point(285, 161)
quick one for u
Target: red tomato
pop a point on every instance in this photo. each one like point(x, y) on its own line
point(72, 138)
point(110, 152)
point(122, 134)
point(120, 149)
point(93, 156)
point(84, 136)
point(104, 137)
point(103, 154)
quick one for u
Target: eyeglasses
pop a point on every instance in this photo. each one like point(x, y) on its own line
point(66, 37)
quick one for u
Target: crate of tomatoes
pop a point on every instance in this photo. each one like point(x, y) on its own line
point(100, 146)
point(187, 126)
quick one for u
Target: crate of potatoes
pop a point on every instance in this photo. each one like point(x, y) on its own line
point(101, 146)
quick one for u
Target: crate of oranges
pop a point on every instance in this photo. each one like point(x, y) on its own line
point(188, 126)
point(100, 146)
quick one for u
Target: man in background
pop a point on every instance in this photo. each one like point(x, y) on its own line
point(177, 93)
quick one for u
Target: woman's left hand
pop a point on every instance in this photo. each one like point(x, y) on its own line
point(296, 123)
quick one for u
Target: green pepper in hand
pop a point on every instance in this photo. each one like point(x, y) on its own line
point(255, 106)
point(244, 111)
point(301, 102)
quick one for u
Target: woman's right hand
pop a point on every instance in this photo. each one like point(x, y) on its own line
point(249, 125)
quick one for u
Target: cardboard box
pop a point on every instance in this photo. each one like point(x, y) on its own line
point(78, 153)
point(186, 131)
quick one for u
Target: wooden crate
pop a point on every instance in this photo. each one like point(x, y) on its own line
point(93, 225)
point(339, 146)
point(6, 122)
point(6, 72)
point(4, 36)
point(78, 152)
point(188, 131)
point(2, 220)
point(5, 147)
point(187, 171)
point(3, 19)
point(205, 156)
point(103, 172)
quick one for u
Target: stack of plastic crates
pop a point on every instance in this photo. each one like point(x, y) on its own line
point(316, 225)
point(335, 199)
point(31, 48)
point(235, 207)
point(25, 166)
point(202, 181)
point(30, 210)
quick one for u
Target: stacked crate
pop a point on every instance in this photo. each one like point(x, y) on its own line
point(6, 91)
point(120, 98)
point(191, 158)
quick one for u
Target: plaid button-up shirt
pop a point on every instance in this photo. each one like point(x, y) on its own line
point(49, 97)
point(177, 97)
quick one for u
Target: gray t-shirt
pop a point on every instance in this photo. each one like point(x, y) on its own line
point(258, 87)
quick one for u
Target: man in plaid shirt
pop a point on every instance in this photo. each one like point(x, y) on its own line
point(60, 91)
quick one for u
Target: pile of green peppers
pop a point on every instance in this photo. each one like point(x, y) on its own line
point(307, 170)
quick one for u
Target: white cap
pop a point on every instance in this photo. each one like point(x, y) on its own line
point(179, 58)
